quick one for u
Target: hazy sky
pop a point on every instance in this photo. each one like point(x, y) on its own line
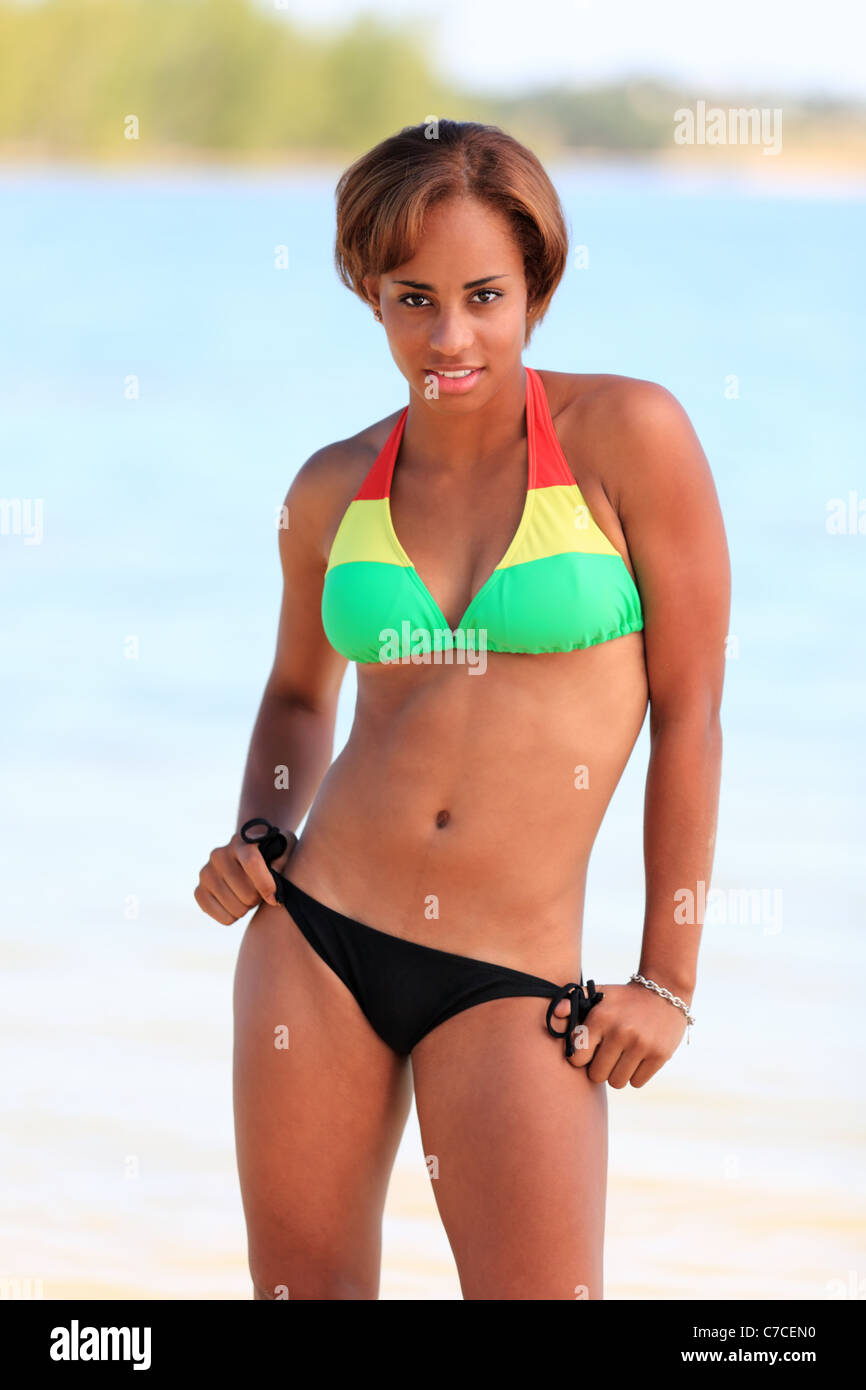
point(803, 45)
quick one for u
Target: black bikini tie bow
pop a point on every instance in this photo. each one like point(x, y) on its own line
point(271, 845)
point(580, 1007)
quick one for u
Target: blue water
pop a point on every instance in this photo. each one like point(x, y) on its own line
point(158, 512)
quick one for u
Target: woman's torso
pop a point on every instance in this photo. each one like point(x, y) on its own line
point(463, 809)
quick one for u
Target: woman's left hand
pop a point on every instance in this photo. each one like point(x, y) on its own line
point(628, 1036)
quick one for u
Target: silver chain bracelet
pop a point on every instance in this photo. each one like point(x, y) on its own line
point(671, 998)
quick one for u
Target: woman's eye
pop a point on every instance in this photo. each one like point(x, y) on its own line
point(409, 298)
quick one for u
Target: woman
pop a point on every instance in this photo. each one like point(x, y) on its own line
point(568, 565)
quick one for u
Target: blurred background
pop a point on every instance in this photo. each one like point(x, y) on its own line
point(174, 344)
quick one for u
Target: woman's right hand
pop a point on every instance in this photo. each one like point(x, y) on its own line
point(236, 878)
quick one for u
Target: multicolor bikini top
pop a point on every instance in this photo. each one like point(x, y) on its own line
point(560, 584)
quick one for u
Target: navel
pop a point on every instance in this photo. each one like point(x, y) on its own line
point(442, 818)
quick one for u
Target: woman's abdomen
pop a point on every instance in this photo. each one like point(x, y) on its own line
point(462, 811)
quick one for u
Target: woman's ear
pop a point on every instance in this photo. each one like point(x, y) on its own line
point(372, 288)
point(530, 319)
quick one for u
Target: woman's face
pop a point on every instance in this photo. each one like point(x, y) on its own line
point(438, 316)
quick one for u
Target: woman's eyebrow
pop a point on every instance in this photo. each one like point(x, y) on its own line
point(470, 284)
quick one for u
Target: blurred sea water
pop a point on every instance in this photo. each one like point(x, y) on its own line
point(737, 1172)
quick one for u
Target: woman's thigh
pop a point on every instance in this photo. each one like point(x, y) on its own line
point(516, 1142)
point(320, 1103)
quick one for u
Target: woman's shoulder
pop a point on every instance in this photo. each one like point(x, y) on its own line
point(327, 481)
point(336, 463)
point(603, 419)
point(619, 433)
point(603, 393)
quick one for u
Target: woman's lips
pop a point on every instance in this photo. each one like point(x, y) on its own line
point(455, 385)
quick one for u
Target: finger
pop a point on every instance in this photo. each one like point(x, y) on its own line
point(645, 1071)
point(625, 1068)
point(208, 903)
point(604, 1061)
point(245, 872)
point(249, 867)
point(231, 888)
point(585, 1043)
point(563, 1008)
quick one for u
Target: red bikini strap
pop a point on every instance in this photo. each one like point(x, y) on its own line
point(550, 466)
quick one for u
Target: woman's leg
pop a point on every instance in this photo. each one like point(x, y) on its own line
point(516, 1141)
point(320, 1104)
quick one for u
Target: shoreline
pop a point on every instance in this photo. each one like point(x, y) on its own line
point(820, 169)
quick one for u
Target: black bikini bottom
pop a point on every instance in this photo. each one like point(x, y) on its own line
point(405, 989)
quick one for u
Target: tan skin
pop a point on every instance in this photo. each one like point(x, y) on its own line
point(518, 1132)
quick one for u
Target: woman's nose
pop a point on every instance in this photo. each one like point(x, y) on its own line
point(451, 334)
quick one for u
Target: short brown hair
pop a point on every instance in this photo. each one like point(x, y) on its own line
point(383, 196)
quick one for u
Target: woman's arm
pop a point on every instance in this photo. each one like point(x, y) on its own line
point(293, 734)
point(671, 516)
point(660, 483)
